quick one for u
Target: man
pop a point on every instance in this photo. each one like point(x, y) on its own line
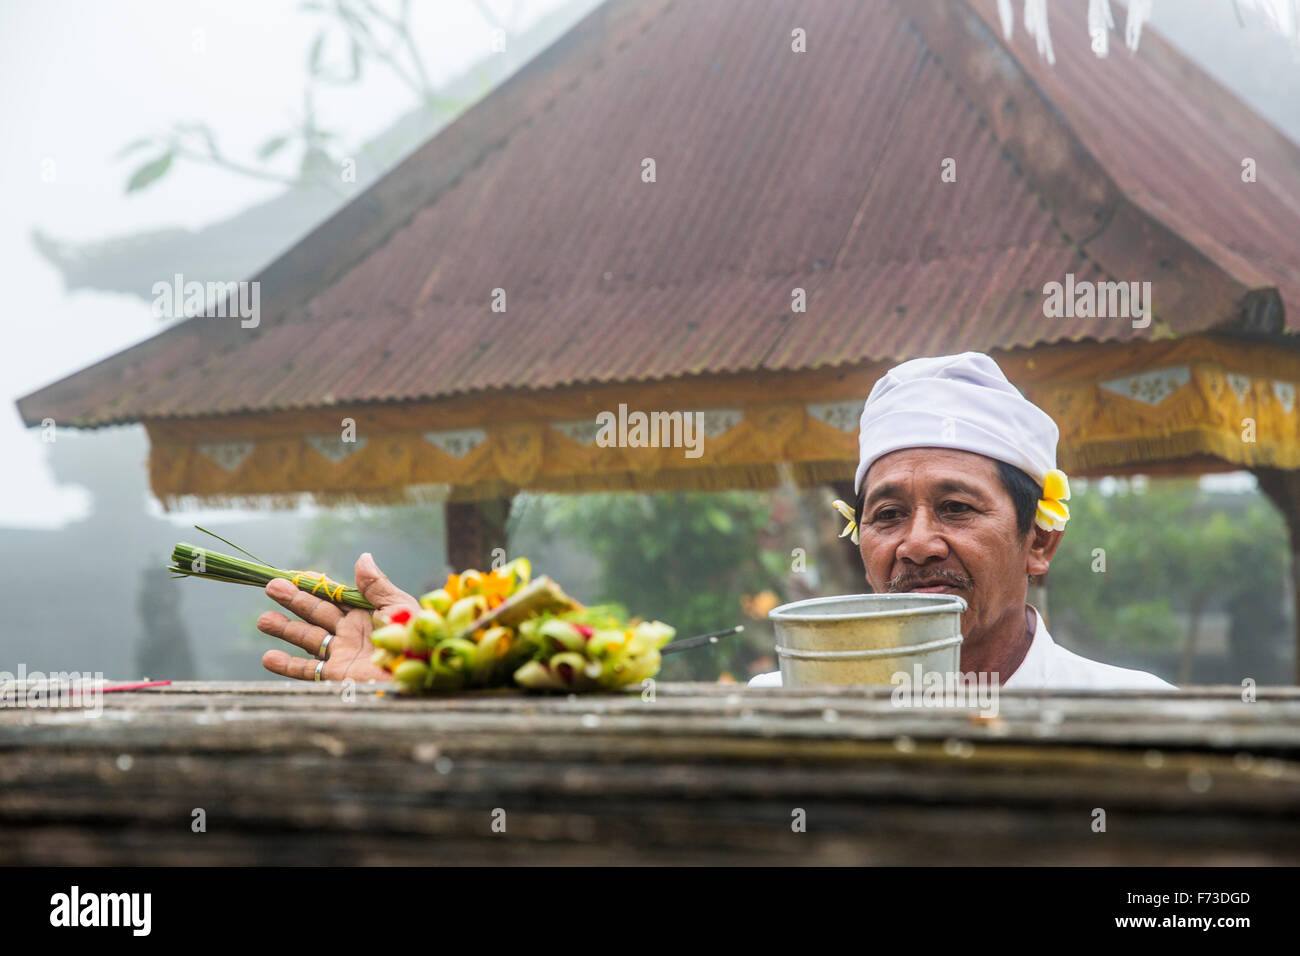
point(958, 493)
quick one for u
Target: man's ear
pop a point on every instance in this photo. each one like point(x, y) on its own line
point(1042, 547)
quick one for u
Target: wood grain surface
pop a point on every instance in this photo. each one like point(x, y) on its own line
point(298, 773)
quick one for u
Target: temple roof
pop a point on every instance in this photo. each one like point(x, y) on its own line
point(774, 171)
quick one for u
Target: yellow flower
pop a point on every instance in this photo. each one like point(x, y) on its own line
point(1052, 512)
point(852, 527)
point(757, 605)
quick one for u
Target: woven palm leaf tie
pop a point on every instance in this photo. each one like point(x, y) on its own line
point(333, 590)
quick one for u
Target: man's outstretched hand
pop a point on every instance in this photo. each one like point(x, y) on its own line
point(349, 652)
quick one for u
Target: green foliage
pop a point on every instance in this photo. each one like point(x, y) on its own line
point(688, 559)
point(163, 648)
point(370, 35)
point(408, 542)
point(685, 558)
point(272, 146)
point(1168, 547)
point(150, 172)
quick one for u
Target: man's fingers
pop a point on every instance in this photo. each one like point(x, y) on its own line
point(376, 587)
point(299, 668)
point(312, 609)
point(309, 637)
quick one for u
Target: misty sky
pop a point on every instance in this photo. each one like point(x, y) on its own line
point(83, 78)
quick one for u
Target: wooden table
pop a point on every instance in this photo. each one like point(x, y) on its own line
point(297, 773)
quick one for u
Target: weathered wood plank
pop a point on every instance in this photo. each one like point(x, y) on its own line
point(703, 773)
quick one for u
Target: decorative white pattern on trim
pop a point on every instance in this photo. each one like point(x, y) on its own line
point(1151, 388)
point(457, 443)
point(1285, 392)
point(228, 455)
point(334, 447)
point(846, 416)
point(1239, 384)
point(719, 421)
point(583, 432)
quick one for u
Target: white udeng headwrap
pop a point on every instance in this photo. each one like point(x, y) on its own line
point(955, 401)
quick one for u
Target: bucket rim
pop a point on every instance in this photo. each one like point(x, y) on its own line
point(868, 653)
point(940, 603)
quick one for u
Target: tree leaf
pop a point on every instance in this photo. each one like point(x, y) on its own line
point(150, 172)
point(720, 520)
point(272, 146)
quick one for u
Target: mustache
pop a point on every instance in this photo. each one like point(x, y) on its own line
point(907, 580)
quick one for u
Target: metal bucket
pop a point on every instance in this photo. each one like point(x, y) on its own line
point(867, 638)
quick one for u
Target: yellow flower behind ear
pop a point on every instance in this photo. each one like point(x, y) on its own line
point(852, 527)
point(1052, 512)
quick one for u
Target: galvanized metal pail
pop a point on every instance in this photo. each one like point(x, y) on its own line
point(867, 638)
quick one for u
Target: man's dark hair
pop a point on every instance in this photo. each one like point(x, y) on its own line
point(1024, 492)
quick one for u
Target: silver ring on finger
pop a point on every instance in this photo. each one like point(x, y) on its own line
point(319, 668)
point(324, 652)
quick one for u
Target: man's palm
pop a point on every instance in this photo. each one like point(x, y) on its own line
point(351, 649)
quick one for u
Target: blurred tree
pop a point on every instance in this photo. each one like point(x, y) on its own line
point(1135, 574)
point(687, 558)
point(371, 35)
point(1133, 562)
point(407, 541)
point(162, 650)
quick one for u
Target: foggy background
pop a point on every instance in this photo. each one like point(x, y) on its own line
point(81, 81)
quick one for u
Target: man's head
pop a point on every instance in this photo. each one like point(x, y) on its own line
point(957, 486)
point(956, 522)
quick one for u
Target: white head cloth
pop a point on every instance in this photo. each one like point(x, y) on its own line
point(955, 401)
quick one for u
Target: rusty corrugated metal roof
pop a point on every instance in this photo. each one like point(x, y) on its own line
point(775, 170)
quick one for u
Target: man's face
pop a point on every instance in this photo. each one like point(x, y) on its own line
point(938, 520)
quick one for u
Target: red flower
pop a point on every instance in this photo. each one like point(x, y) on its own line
point(400, 616)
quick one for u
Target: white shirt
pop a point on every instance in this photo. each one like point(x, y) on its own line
point(1049, 665)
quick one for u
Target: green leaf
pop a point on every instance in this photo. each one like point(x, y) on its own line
point(150, 172)
point(272, 146)
point(720, 520)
